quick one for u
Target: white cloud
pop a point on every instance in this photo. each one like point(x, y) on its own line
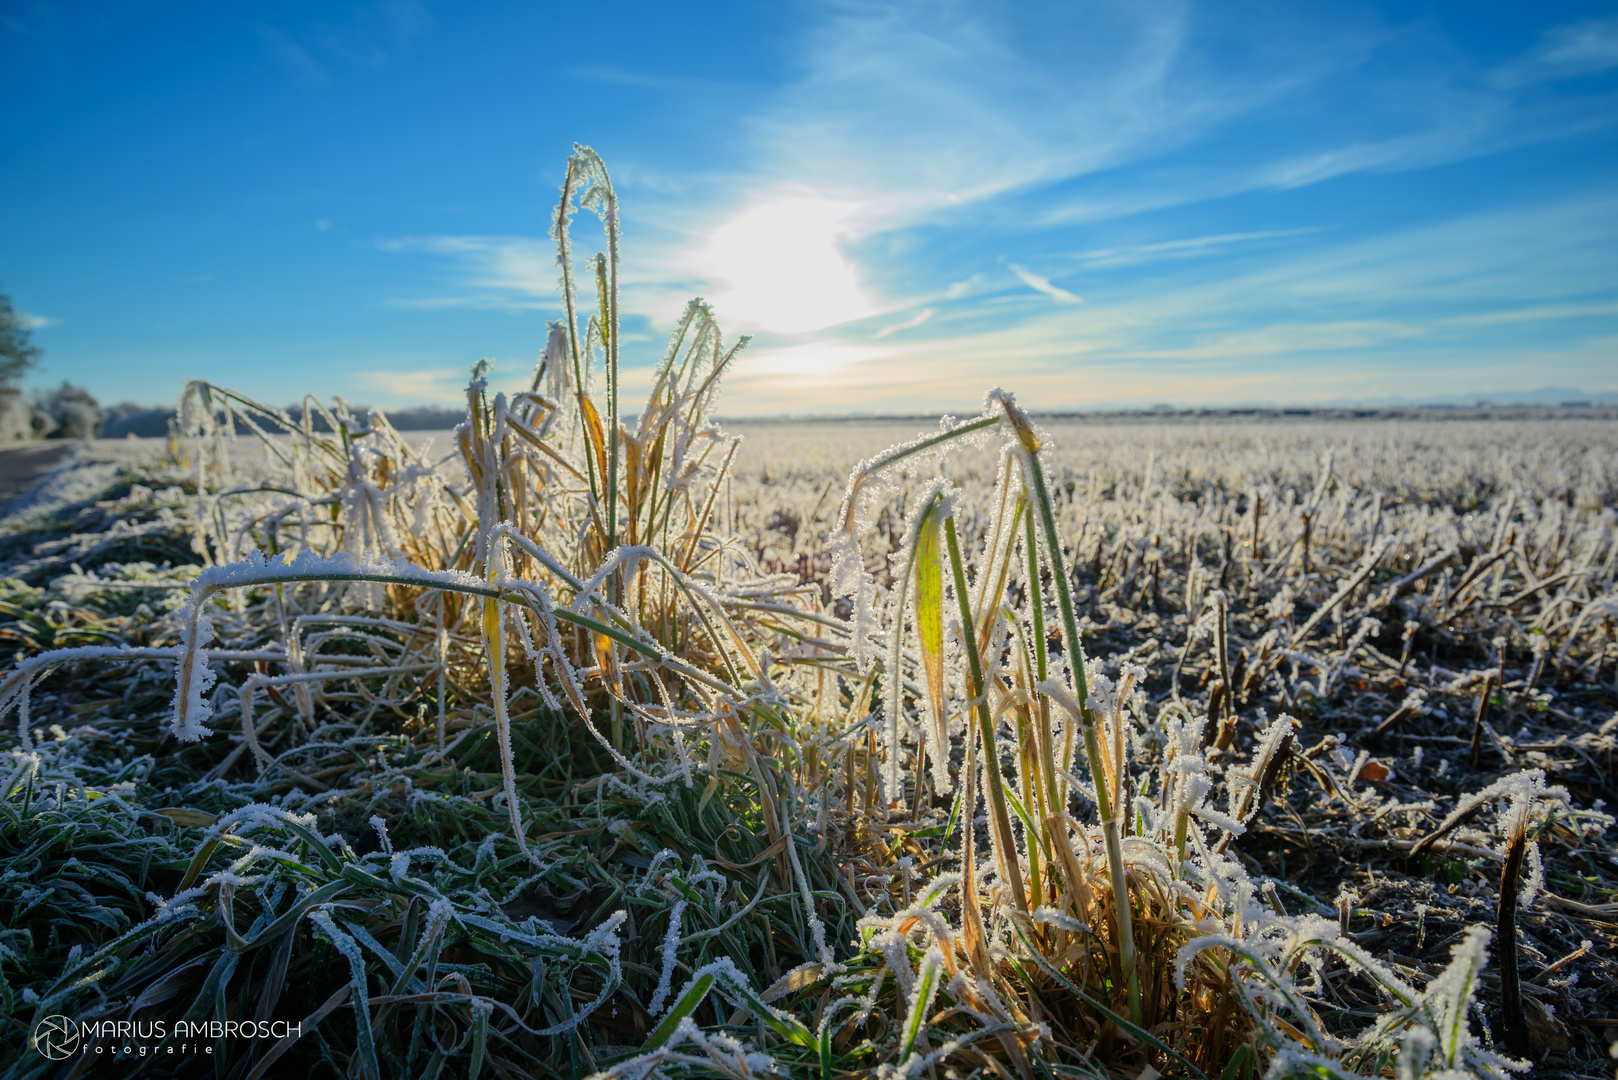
point(777, 266)
point(819, 360)
point(664, 83)
point(909, 113)
point(36, 322)
point(917, 107)
point(1281, 339)
point(1043, 284)
point(1427, 310)
point(368, 37)
point(1539, 314)
point(303, 69)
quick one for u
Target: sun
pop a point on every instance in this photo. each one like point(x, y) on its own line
point(779, 267)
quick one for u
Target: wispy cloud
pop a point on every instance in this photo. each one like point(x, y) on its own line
point(1430, 309)
point(368, 38)
point(918, 114)
point(922, 107)
point(1043, 284)
point(822, 376)
point(1192, 247)
point(428, 384)
point(1538, 314)
point(490, 272)
point(1565, 52)
point(909, 114)
point(301, 67)
point(648, 81)
point(909, 324)
point(36, 322)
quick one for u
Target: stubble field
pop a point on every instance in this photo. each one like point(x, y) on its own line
point(1310, 646)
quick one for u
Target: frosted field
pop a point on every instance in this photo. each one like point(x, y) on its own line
point(1175, 477)
point(1364, 664)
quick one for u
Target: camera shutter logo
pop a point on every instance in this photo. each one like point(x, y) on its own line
point(56, 1037)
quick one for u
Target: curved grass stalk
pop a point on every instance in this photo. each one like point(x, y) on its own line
point(1072, 643)
point(699, 598)
point(999, 816)
point(194, 677)
point(888, 458)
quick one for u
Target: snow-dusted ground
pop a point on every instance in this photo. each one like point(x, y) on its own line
point(37, 478)
point(44, 476)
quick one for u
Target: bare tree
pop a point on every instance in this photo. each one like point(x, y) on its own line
point(17, 351)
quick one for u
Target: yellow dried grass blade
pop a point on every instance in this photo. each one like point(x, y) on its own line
point(930, 614)
point(608, 660)
point(491, 623)
point(597, 433)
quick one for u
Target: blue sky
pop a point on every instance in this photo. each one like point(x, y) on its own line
point(1090, 204)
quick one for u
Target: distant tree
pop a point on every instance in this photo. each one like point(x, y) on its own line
point(17, 351)
point(129, 418)
point(75, 411)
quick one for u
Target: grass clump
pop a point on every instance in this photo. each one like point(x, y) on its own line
point(527, 761)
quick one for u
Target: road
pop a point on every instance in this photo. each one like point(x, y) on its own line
point(23, 463)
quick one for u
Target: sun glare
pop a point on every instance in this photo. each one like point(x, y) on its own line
point(777, 267)
point(816, 359)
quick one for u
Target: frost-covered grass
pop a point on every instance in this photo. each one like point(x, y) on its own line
point(611, 748)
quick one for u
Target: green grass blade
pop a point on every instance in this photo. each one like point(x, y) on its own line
point(920, 1002)
point(682, 1008)
point(786, 1027)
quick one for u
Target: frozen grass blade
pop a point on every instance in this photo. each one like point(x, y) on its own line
point(683, 1007)
point(921, 1002)
point(1513, 1022)
point(1039, 496)
point(999, 817)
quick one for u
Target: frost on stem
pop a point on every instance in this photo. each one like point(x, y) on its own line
point(721, 1053)
point(193, 676)
point(671, 946)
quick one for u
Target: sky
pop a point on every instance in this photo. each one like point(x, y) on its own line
point(1090, 204)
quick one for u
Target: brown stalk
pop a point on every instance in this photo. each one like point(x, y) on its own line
point(1480, 717)
point(1397, 717)
point(1514, 1023)
point(1308, 520)
point(1227, 729)
point(1258, 510)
